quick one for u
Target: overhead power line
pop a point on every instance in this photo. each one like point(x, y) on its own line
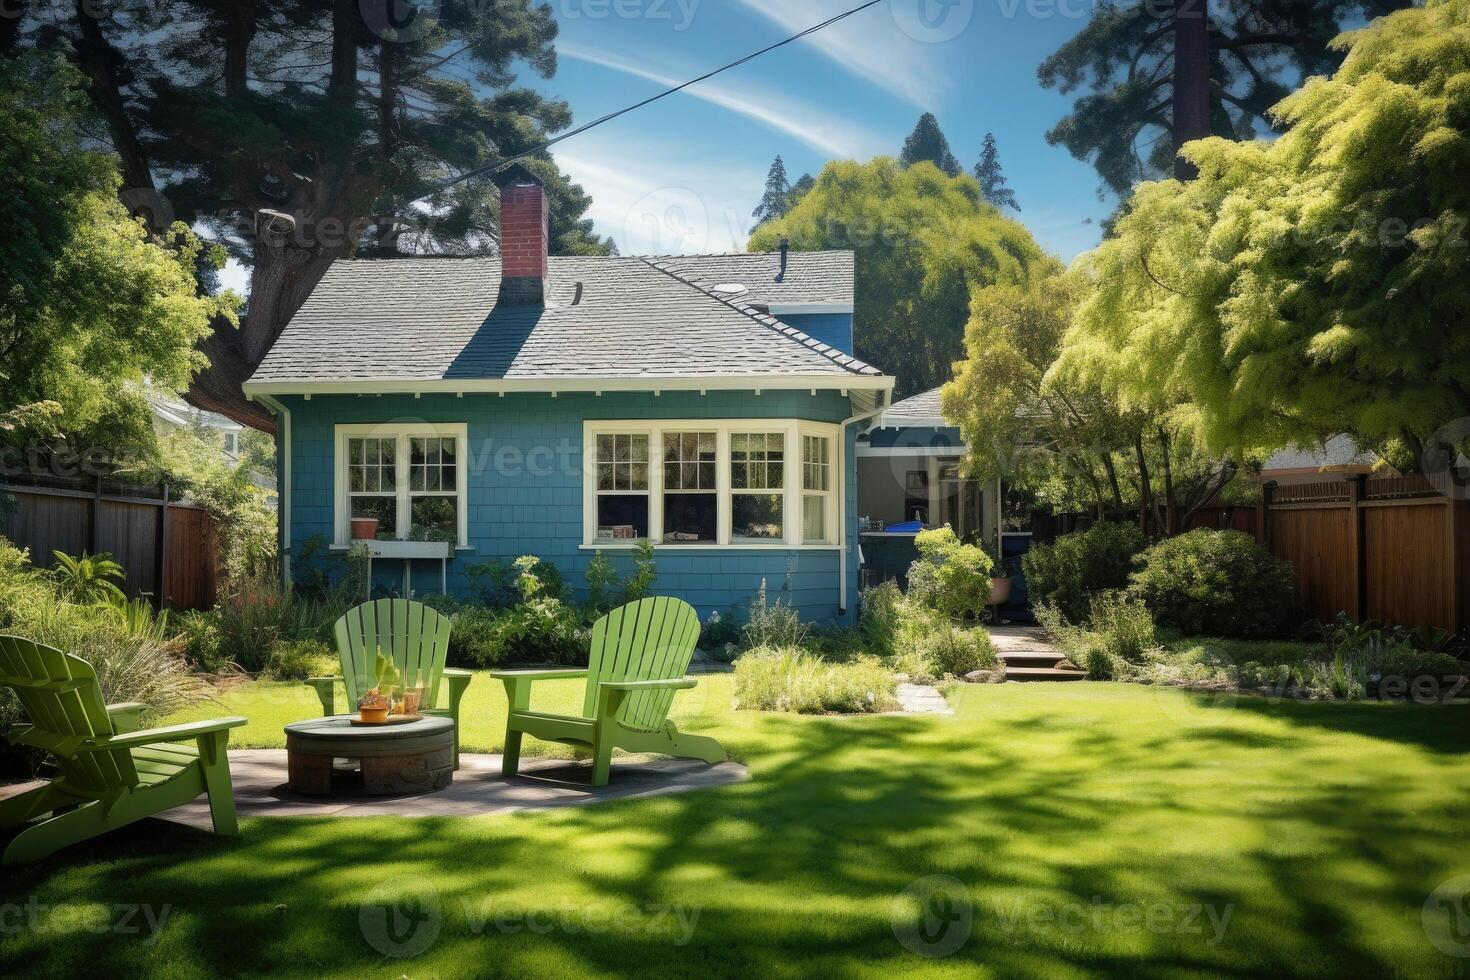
point(502, 164)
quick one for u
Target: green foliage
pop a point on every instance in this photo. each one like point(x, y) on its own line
point(1300, 288)
point(539, 631)
point(880, 618)
point(773, 624)
point(1074, 568)
point(791, 680)
point(927, 144)
point(1123, 625)
point(776, 200)
point(199, 636)
point(88, 579)
point(90, 303)
point(990, 177)
point(924, 241)
point(296, 660)
point(607, 589)
point(950, 577)
point(1220, 583)
point(719, 632)
point(1123, 60)
point(256, 617)
point(931, 646)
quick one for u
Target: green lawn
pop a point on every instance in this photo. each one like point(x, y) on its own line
point(1094, 828)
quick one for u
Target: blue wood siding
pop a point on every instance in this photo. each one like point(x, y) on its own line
point(524, 474)
point(832, 329)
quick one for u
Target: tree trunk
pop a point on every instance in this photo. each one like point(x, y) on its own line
point(1145, 493)
point(11, 19)
point(1169, 527)
point(240, 30)
point(96, 58)
point(1191, 103)
point(1112, 472)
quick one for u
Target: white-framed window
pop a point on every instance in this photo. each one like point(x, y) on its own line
point(818, 495)
point(622, 473)
point(409, 478)
point(711, 483)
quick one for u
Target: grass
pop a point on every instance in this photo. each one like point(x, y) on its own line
point(1096, 829)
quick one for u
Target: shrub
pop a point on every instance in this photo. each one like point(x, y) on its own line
point(1123, 626)
point(199, 637)
point(948, 576)
point(789, 679)
point(1077, 566)
point(1220, 583)
point(931, 646)
point(258, 616)
point(773, 624)
point(88, 579)
point(718, 632)
point(606, 589)
point(880, 618)
point(542, 631)
point(836, 644)
point(296, 660)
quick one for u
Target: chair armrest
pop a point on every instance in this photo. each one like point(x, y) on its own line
point(326, 692)
point(672, 684)
point(173, 733)
point(126, 716)
point(537, 675)
point(459, 682)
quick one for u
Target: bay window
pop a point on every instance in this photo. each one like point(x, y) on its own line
point(711, 483)
point(408, 478)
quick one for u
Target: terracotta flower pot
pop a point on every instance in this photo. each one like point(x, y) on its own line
point(364, 528)
point(374, 708)
point(1000, 591)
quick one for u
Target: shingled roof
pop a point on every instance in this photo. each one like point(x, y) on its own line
point(436, 319)
point(810, 277)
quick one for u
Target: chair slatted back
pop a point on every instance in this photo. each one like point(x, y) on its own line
point(64, 705)
point(413, 635)
point(648, 640)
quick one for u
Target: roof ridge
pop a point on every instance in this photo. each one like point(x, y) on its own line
point(772, 323)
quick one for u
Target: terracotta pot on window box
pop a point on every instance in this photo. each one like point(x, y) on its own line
point(364, 528)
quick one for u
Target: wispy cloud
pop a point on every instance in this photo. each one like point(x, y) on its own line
point(816, 128)
point(666, 204)
point(870, 45)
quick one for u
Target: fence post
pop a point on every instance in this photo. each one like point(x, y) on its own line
point(1357, 490)
point(95, 529)
point(1451, 559)
point(1263, 534)
point(160, 563)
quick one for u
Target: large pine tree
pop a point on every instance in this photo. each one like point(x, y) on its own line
point(299, 131)
point(1138, 102)
point(927, 142)
point(776, 201)
point(992, 180)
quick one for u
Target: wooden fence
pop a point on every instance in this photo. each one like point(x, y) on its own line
point(168, 549)
point(1393, 549)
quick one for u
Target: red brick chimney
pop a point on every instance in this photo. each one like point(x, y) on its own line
point(524, 237)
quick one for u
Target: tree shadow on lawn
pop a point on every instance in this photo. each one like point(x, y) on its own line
point(797, 871)
point(1440, 728)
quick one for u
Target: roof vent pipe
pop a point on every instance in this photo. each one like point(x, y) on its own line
point(785, 247)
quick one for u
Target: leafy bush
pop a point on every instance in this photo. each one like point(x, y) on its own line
point(542, 629)
point(257, 617)
point(297, 660)
point(1123, 625)
point(880, 618)
point(719, 632)
point(199, 636)
point(88, 579)
point(789, 679)
point(773, 624)
point(836, 644)
point(1220, 583)
point(948, 576)
point(930, 646)
point(1070, 571)
point(606, 589)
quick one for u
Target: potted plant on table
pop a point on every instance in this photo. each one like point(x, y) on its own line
point(376, 704)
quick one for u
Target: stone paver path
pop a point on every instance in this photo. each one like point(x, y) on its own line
point(923, 699)
point(261, 791)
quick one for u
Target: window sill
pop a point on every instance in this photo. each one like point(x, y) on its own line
point(675, 548)
point(407, 549)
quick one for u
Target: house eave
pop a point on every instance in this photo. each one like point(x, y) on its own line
point(408, 386)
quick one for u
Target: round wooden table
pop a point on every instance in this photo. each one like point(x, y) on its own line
point(415, 757)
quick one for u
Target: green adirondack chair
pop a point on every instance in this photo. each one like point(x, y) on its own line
point(416, 637)
point(110, 774)
point(639, 655)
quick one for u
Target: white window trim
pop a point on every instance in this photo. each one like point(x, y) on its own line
point(389, 430)
point(829, 495)
point(792, 429)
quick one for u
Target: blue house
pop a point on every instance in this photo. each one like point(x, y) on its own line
point(467, 410)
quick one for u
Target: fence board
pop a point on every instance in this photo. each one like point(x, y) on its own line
point(1318, 543)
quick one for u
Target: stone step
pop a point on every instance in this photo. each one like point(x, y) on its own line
point(1031, 658)
point(1044, 674)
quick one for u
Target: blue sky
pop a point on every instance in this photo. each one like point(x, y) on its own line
point(682, 176)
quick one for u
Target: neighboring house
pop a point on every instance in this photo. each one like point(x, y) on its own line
point(171, 415)
point(1335, 459)
point(486, 408)
point(908, 471)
